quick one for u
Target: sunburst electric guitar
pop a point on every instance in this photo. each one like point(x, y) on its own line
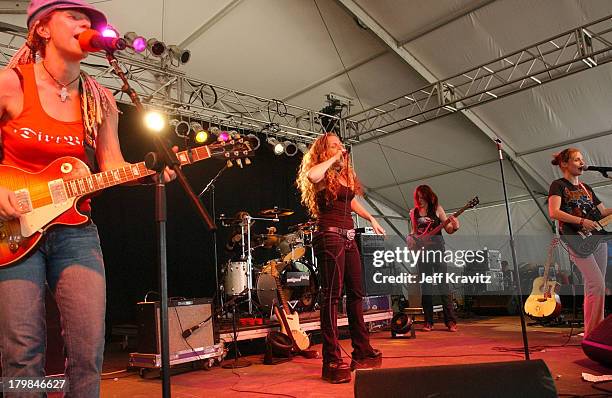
point(50, 197)
point(544, 302)
point(289, 322)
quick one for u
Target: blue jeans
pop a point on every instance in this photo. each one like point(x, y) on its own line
point(68, 260)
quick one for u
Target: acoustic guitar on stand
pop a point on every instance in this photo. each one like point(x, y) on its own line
point(51, 196)
point(544, 302)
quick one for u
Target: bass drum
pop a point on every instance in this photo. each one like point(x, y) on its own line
point(298, 281)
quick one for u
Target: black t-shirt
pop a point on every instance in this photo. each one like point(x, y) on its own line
point(577, 200)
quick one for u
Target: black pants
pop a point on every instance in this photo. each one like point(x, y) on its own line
point(431, 268)
point(339, 264)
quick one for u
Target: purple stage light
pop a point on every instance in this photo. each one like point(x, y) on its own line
point(139, 44)
point(223, 136)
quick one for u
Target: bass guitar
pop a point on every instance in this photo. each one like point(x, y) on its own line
point(50, 197)
point(425, 239)
point(544, 302)
point(584, 243)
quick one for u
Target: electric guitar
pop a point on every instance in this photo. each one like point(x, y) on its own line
point(544, 302)
point(425, 239)
point(50, 197)
point(584, 243)
point(289, 322)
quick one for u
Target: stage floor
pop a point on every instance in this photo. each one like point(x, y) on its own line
point(478, 340)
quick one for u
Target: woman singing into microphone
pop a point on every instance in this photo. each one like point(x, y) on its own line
point(50, 109)
point(577, 208)
point(328, 186)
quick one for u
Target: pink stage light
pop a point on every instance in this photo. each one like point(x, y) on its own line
point(139, 44)
point(109, 31)
point(223, 136)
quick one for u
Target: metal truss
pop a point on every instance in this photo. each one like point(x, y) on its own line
point(581, 48)
point(165, 88)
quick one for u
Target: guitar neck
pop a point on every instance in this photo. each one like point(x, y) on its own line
point(131, 172)
point(437, 229)
point(605, 221)
point(281, 294)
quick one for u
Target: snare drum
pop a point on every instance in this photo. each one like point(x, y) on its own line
point(236, 278)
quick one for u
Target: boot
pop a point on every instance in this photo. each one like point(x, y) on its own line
point(336, 372)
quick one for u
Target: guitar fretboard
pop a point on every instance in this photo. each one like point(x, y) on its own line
point(131, 172)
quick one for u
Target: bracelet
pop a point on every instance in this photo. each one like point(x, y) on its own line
point(581, 221)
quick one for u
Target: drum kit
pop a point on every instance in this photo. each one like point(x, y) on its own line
point(296, 263)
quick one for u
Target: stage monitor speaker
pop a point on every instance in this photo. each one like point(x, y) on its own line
point(182, 315)
point(598, 344)
point(497, 379)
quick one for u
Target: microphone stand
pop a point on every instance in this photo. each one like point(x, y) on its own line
point(164, 156)
point(211, 186)
point(517, 285)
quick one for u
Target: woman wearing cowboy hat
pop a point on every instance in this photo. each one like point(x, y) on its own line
point(50, 109)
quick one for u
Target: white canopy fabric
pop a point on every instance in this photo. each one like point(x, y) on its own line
point(300, 50)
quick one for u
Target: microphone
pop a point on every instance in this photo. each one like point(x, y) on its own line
point(604, 170)
point(601, 169)
point(92, 41)
point(188, 332)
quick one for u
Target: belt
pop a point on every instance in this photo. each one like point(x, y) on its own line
point(345, 233)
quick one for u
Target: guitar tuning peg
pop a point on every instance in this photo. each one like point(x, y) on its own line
point(239, 162)
point(229, 163)
point(247, 161)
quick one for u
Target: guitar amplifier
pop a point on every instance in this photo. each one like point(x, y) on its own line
point(497, 281)
point(368, 244)
point(182, 314)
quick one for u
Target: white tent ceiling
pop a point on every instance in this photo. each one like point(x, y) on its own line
point(300, 50)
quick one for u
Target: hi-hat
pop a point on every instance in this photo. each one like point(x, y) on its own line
point(276, 212)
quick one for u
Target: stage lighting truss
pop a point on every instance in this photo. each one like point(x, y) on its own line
point(162, 86)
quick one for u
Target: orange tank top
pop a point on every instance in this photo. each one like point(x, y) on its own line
point(34, 139)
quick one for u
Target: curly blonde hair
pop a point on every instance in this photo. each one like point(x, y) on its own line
point(315, 155)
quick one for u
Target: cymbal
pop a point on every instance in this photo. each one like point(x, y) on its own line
point(305, 226)
point(276, 212)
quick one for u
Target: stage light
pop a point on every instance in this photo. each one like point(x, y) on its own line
point(155, 121)
point(109, 31)
point(201, 137)
point(223, 136)
point(181, 127)
point(278, 148)
point(302, 147)
point(255, 141)
point(156, 48)
point(135, 42)
point(290, 148)
point(181, 55)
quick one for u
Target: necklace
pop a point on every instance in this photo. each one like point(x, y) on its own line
point(63, 92)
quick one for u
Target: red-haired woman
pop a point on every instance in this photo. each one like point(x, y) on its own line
point(50, 109)
point(426, 215)
point(577, 208)
point(328, 186)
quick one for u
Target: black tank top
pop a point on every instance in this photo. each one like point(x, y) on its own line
point(338, 212)
point(427, 223)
